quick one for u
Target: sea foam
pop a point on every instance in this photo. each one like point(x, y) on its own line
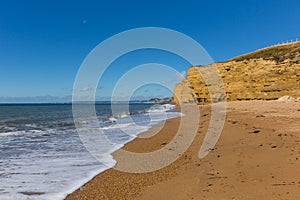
point(50, 162)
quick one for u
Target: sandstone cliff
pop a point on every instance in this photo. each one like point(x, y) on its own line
point(266, 74)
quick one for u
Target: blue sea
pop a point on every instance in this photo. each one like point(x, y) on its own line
point(42, 156)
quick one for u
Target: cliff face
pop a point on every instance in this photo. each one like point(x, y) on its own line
point(261, 75)
point(183, 92)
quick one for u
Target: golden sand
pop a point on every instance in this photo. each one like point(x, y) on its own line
point(256, 157)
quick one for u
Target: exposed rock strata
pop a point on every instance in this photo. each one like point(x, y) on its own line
point(246, 77)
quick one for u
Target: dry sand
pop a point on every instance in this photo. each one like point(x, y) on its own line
point(256, 157)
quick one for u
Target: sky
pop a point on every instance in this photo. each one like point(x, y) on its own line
point(43, 43)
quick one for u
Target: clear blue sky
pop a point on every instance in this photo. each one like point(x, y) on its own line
point(42, 43)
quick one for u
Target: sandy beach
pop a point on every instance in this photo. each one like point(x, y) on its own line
point(256, 157)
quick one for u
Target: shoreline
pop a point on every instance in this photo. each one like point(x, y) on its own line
point(133, 146)
point(256, 152)
point(141, 135)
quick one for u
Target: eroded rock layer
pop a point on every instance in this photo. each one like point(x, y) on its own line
point(266, 74)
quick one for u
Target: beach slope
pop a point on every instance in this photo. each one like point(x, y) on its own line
point(256, 157)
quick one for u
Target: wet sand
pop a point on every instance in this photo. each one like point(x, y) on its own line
point(256, 157)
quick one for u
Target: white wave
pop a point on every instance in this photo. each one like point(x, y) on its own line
point(161, 108)
point(62, 165)
point(112, 119)
point(14, 133)
point(115, 126)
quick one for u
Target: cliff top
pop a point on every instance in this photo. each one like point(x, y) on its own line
point(277, 53)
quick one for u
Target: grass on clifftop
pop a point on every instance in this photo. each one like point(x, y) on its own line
point(275, 53)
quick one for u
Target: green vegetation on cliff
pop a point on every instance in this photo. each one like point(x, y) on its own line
point(277, 53)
